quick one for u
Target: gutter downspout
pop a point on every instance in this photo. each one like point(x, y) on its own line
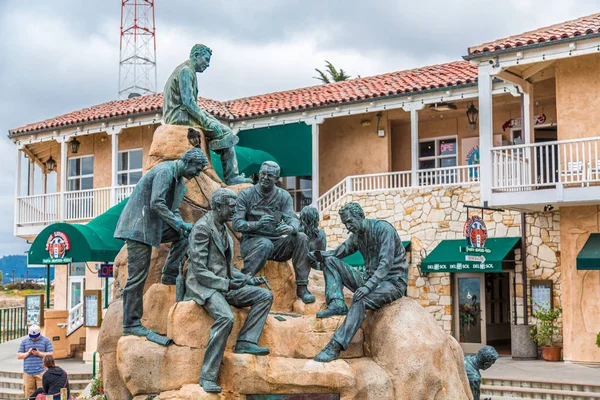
point(524, 268)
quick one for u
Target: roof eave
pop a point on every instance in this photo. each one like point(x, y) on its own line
point(495, 53)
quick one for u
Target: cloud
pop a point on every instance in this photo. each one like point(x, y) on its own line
point(60, 55)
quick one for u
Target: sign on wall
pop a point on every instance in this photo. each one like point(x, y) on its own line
point(105, 271)
point(58, 245)
point(541, 294)
point(92, 308)
point(34, 307)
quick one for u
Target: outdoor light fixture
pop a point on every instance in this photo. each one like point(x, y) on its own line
point(50, 164)
point(442, 107)
point(74, 143)
point(365, 122)
point(380, 132)
point(193, 137)
point(472, 115)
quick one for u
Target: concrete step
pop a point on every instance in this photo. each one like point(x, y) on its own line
point(591, 387)
point(11, 394)
point(11, 374)
point(497, 391)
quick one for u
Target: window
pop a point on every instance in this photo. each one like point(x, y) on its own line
point(300, 188)
point(438, 153)
point(81, 173)
point(129, 167)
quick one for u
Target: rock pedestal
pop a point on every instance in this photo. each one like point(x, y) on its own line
point(400, 352)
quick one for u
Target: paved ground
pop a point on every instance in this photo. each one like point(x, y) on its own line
point(507, 368)
point(9, 362)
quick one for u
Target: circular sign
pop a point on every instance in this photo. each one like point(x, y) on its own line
point(475, 231)
point(57, 245)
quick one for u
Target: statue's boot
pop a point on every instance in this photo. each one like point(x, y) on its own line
point(329, 353)
point(336, 307)
point(136, 331)
point(243, 347)
point(210, 386)
point(304, 295)
point(230, 164)
point(168, 280)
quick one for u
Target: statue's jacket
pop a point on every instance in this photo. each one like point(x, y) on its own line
point(153, 206)
point(382, 250)
point(209, 263)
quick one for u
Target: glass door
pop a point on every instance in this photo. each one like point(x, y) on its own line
point(469, 314)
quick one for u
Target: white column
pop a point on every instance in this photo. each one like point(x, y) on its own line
point(414, 146)
point(114, 168)
point(63, 178)
point(31, 182)
point(17, 191)
point(44, 182)
point(486, 131)
point(527, 119)
point(315, 164)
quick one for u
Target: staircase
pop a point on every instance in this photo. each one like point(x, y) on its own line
point(11, 384)
point(503, 389)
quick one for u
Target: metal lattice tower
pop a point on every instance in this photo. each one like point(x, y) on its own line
point(137, 63)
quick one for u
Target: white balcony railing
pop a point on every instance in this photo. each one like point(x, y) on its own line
point(459, 175)
point(75, 318)
point(79, 205)
point(565, 163)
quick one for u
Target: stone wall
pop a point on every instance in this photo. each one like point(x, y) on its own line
point(429, 215)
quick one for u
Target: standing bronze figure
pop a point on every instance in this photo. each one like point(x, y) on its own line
point(270, 229)
point(150, 217)
point(214, 283)
point(385, 278)
point(180, 107)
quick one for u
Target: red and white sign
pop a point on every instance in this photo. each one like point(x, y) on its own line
point(476, 231)
point(57, 245)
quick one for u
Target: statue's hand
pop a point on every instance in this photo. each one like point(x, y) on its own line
point(360, 293)
point(238, 283)
point(284, 229)
point(265, 221)
point(186, 228)
point(256, 281)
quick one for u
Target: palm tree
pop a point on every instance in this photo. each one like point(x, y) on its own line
point(331, 74)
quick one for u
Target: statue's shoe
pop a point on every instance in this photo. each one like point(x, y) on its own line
point(136, 331)
point(168, 279)
point(304, 295)
point(336, 307)
point(242, 347)
point(329, 353)
point(210, 386)
point(239, 179)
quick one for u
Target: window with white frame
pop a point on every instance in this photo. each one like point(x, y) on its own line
point(438, 152)
point(129, 167)
point(300, 188)
point(80, 173)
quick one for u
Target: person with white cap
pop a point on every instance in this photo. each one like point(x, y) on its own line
point(32, 350)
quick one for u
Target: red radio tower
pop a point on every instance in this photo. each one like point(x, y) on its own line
point(137, 63)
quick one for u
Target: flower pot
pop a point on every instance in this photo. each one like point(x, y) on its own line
point(551, 353)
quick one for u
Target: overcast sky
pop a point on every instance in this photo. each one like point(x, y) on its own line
point(59, 56)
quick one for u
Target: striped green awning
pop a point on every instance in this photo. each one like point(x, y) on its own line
point(453, 256)
point(589, 256)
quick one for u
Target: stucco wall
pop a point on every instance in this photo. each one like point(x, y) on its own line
point(429, 215)
point(61, 286)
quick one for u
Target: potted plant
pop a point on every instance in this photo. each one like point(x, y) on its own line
point(598, 340)
point(547, 331)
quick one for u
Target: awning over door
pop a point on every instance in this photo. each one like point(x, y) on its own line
point(69, 243)
point(589, 256)
point(357, 260)
point(290, 144)
point(249, 160)
point(452, 256)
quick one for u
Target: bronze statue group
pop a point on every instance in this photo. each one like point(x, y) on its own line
point(270, 230)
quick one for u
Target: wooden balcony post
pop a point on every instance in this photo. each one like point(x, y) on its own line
point(484, 85)
point(62, 215)
point(17, 190)
point(114, 166)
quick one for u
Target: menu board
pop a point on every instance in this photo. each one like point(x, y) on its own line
point(92, 306)
point(34, 306)
point(541, 294)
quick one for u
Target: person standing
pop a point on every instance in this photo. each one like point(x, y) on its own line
point(32, 351)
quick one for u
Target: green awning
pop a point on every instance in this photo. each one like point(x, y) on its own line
point(357, 260)
point(589, 256)
point(93, 241)
point(290, 144)
point(453, 256)
point(249, 160)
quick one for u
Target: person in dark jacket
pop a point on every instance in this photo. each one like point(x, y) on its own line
point(54, 379)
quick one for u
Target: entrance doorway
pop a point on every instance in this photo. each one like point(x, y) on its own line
point(482, 310)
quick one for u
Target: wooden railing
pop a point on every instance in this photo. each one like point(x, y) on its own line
point(86, 204)
point(75, 318)
point(12, 323)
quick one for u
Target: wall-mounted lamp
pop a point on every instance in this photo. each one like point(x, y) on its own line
point(472, 115)
point(50, 164)
point(365, 122)
point(74, 144)
point(380, 132)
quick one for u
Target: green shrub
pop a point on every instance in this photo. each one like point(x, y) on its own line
point(546, 330)
point(598, 340)
point(24, 286)
point(97, 387)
